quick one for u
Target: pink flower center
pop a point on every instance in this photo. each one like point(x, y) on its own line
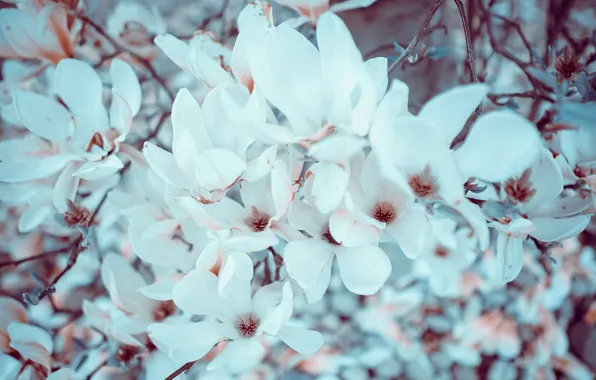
point(258, 220)
point(423, 184)
point(384, 212)
point(247, 325)
point(520, 189)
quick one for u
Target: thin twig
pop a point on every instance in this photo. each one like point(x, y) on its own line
point(279, 261)
point(524, 95)
point(408, 51)
point(180, 370)
point(37, 257)
point(469, 46)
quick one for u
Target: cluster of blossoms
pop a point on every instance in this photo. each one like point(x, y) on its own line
point(201, 220)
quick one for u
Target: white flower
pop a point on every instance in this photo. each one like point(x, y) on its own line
point(363, 269)
point(32, 342)
point(374, 205)
point(37, 30)
point(416, 149)
point(240, 319)
point(78, 129)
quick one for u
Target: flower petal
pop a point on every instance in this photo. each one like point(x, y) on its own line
point(92, 170)
point(363, 269)
point(301, 340)
point(165, 166)
point(337, 148)
point(546, 179)
point(238, 356)
point(218, 169)
point(26, 171)
point(556, 229)
point(33, 217)
point(202, 66)
point(175, 49)
point(450, 110)
point(350, 232)
point(501, 145)
point(125, 83)
point(330, 183)
point(43, 116)
point(412, 231)
point(306, 260)
point(510, 257)
point(197, 293)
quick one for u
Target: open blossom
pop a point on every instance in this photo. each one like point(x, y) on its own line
point(311, 10)
point(240, 319)
point(40, 29)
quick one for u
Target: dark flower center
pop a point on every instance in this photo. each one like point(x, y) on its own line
point(247, 325)
point(258, 220)
point(384, 212)
point(423, 184)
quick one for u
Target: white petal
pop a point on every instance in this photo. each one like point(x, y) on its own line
point(32, 342)
point(234, 281)
point(43, 116)
point(501, 145)
point(174, 48)
point(337, 148)
point(120, 117)
point(377, 68)
point(330, 182)
point(350, 4)
point(204, 67)
point(303, 341)
point(477, 220)
point(188, 115)
point(26, 171)
point(238, 356)
point(556, 229)
point(92, 170)
point(189, 341)
point(261, 165)
point(546, 179)
point(306, 259)
point(197, 293)
point(274, 306)
point(125, 83)
point(123, 282)
point(251, 241)
point(33, 217)
point(412, 232)
point(281, 189)
point(450, 110)
point(510, 257)
point(350, 232)
point(218, 169)
point(79, 86)
point(363, 270)
point(165, 166)
point(12, 311)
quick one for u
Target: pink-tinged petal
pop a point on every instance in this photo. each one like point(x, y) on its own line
point(202, 65)
point(547, 181)
point(285, 53)
point(238, 356)
point(377, 69)
point(197, 293)
point(12, 311)
point(43, 116)
point(33, 217)
point(188, 341)
point(165, 166)
point(260, 166)
point(554, 229)
point(80, 88)
point(364, 269)
point(350, 4)
point(510, 257)
point(341, 62)
point(500, 145)
point(175, 49)
point(306, 260)
point(32, 342)
point(301, 340)
point(350, 232)
point(329, 186)
point(125, 83)
point(26, 171)
point(337, 148)
point(92, 170)
point(412, 231)
point(450, 110)
point(218, 169)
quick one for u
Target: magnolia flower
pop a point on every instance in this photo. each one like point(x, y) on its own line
point(214, 63)
point(129, 312)
point(12, 311)
point(452, 251)
point(37, 30)
point(535, 211)
point(374, 205)
point(363, 269)
point(76, 132)
point(416, 149)
point(311, 10)
point(209, 153)
point(240, 320)
point(32, 342)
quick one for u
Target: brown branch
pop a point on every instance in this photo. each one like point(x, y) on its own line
point(408, 50)
point(523, 95)
point(43, 255)
point(469, 45)
point(279, 261)
point(180, 370)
